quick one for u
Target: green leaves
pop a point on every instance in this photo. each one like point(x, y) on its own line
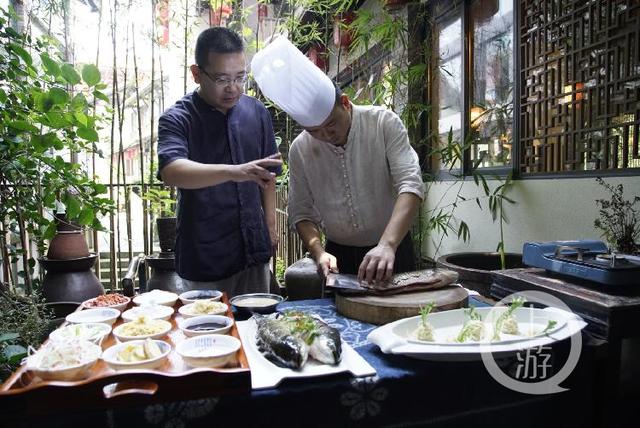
point(22, 125)
point(72, 205)
point(51, 67)
point(58, 96)
point(50, 231)
point(88, 134)
point(81, 118)
point(91, 74)
point(79, 102)
point(86, 216)
point(70, 74)
point(21, 52)
point(101, 96)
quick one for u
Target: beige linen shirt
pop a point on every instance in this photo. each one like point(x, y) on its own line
point(350, 191)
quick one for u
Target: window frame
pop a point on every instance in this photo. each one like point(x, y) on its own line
point(462, 9)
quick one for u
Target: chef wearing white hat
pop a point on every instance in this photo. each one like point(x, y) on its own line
point(352, 172)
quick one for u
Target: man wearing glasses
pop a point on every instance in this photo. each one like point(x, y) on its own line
point(216, 145)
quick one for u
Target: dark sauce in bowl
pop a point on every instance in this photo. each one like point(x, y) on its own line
point(207, 326)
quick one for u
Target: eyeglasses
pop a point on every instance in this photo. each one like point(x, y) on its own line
point(223, 82)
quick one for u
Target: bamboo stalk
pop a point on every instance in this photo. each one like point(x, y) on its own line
point(96, 243)
point(112, 247)
point(4, 231)
point(68, 57)
point(186, 40)
point(121, 166)
point(161, 106)
point(143, 189)
point(152, 107)
point(25, 253)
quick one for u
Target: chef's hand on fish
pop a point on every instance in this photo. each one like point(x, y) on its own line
point(377, 264)
point(327, 263)
point(257, 171)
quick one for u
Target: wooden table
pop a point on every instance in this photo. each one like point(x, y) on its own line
point(405, 392)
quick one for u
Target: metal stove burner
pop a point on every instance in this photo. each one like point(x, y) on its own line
point(583, 259)
point(611, 258)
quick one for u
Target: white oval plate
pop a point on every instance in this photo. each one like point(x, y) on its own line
point(392, 339)
point(447, 325)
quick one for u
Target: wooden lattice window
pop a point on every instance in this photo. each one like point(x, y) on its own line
point(579, 85)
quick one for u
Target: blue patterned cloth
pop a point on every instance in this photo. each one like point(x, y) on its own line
point(404, 392)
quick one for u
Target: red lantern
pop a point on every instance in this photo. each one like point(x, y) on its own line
point(263, 12)
point(162, 13)
point(218, 15)
point(318, 55)
point(342, 35)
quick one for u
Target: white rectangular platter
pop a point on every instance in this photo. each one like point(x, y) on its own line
point(265, 374)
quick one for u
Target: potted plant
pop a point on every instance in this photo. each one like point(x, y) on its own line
point(474, 268)
point(41, 118)
point(162, 205)
point(618, 219)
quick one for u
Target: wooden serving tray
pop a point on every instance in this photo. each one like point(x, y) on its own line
point(105, 387)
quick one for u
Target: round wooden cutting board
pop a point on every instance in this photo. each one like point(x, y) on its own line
point(385, 309)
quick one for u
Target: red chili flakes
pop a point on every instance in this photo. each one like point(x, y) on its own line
point(107, 300)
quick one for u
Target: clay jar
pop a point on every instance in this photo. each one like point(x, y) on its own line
point(68, 244)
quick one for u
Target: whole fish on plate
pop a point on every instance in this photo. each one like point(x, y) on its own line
point(324, 341)
point(288, 340)
point(278, 344)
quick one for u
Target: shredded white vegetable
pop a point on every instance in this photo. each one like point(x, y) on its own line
point(64, 353)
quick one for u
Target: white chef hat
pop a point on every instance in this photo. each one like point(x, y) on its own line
point(295, 84)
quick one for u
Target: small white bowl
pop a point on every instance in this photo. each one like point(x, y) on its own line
point(156, 297)
point(120, 306)
point(117, 332)
point(211, 350)
point(94, 332)
point(110, 356)
point(195, 295)
point(187, 324)
point(156, 312)
point(187, 310)
point(74, 372)
point(103, 315)
point(256, 303)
